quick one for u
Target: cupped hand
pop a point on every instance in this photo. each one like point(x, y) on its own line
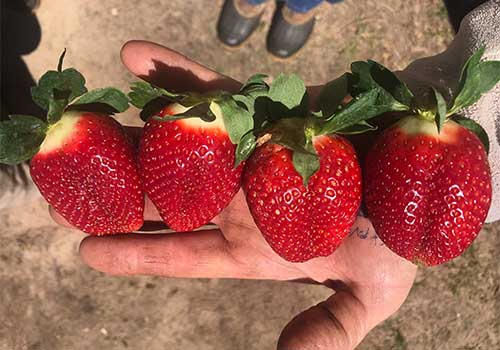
point(368, 281)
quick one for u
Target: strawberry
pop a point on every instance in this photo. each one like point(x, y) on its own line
point(301, 222)
point(82, 162)
point(303, 184)
point(427, 193)
point(187, 169)
point(188, 157)
point(427, 180)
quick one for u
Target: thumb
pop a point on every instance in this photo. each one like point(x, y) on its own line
point(337, 323)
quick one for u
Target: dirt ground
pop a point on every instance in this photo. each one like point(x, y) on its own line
point(49, 300)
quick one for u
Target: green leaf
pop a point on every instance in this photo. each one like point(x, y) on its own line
point(256, 79)
point(440, 109)
point(472, 61)
point(246, 101)
point(43, 92)
point(363, 107)
point(359, 128)
point(475, 128)
point(332, 95)
point(171, 118)
point(20, 138)
point(255, 91)
point(67, 80)
point(111, 97)
point(477, 79)
point(287, 89)
point(391, 83)
point(57, 105)
point(245, 148)
point(143, 93)
point(237, 120)
point(254, 87)
point(363, 80)
point(306, 163)
point(193, 99)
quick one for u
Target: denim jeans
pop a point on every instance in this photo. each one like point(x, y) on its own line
point(300, 6)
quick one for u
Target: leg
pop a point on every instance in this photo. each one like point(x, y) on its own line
point(292, 24)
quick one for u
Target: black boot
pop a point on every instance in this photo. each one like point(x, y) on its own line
point(289, 31)
point(237, 21)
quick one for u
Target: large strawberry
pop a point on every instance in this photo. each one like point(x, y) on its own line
point(303, 185)
point(302, 222)
point(82, 162)
point(188, 154)
point(427, 179)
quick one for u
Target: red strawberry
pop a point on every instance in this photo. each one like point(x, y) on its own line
point(187, 167)
point(86, 170)
point(298, 222)
point(427, 193)
point(82, 162)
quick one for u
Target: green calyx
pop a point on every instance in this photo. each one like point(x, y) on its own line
point(281, 109)
point(56, 92)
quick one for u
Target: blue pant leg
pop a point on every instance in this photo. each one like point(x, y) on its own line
point(255, 2)
point(302, 6)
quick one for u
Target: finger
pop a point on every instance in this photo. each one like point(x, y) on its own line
point(170, 69)
point(150, 214)
point(202, 254)
point(58, 218)
point(336, 323)
point(150, 211)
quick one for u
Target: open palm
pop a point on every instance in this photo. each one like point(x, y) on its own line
point(368, 281)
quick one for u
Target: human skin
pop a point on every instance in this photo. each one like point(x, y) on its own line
point(369, 283)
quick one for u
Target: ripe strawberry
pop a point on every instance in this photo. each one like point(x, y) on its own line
point(187, 167)
point(427, 193)
point(299, 222)
point(86, 170)
point(427, 180)
point(190, 157)
point(82, 162)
